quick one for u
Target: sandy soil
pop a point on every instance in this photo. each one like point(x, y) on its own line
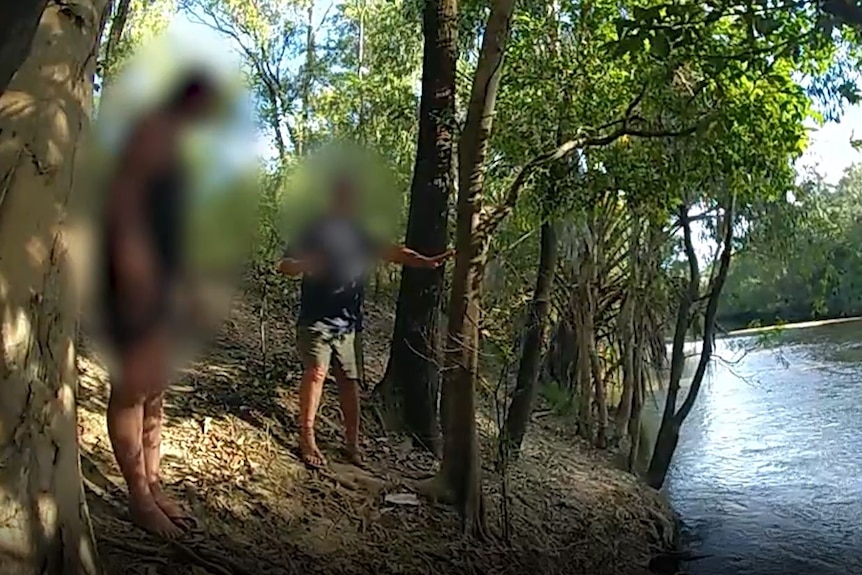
point(230, 454)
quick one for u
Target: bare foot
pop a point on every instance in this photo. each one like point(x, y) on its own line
point(170, 508)
point(311, 455)
point(353, 455)
point(147, 515)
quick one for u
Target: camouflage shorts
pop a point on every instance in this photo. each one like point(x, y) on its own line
point(320, 347)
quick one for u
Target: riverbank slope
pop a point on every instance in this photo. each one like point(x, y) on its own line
point(230, 452)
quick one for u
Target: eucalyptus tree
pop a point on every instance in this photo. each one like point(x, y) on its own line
point(44, 117)
point(18, 24)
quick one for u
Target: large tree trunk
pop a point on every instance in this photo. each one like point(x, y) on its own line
point(526, 387)
point(460, 469)
point(601, 390)
point(19, 20)
point(43, 115)
point(626, 328)
point(410, 387)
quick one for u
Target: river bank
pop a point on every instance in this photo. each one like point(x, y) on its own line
point(793, 326)
point(229, 451)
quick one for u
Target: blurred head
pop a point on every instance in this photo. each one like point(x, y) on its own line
point(195, 97)
point(345, 196)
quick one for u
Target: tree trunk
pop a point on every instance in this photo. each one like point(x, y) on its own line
point(635, 428)
point(302, 145)
point(566, 355)
point(662, 455)
point(624, 409)
point(526, 387)
point(601, 392)
point(19, 20)
point(627, 333)
point(583, 330)
point(672, 420)
point(460, 471)
point(115, 35)
point(410, 387)
point(42, 121)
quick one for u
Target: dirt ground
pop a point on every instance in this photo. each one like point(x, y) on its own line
point(230, 454)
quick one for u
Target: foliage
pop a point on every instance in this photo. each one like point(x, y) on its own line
point(802, 263)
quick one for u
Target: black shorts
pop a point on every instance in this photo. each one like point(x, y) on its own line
point(125, 330)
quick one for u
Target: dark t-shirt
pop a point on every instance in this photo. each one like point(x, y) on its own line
point(332, 298)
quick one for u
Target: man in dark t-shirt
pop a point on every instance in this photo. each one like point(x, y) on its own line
point(334, 255)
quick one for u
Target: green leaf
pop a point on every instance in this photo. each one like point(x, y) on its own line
point(765, 25)
point(659, 45)
point(629, 44)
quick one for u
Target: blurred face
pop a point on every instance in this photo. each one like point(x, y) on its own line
point(198, 104)
point(344, 198)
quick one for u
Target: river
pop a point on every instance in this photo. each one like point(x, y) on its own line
point(767, 477)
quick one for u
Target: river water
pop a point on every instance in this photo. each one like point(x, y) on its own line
point(767, 478)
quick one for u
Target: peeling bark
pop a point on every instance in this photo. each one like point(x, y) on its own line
point(43, 117)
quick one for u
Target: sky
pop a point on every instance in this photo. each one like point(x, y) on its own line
point(829, 153)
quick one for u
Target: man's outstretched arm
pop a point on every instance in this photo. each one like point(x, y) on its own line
point(406, 257)
point(295, 266)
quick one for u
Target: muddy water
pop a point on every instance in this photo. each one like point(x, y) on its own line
point(768, 474)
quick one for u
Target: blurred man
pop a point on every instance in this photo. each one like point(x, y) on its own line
point(142, 270)
point(334, 256)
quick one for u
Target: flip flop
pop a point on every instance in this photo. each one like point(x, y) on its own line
point(313, 461)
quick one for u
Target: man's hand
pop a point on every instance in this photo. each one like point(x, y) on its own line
point(407, 257)
point(435, 262)
point(309, 265)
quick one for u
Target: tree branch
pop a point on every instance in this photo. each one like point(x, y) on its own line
point(711, 312)
point(496, 215)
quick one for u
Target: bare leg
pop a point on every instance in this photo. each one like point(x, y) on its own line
point(126, 430)
point(152, 441)
point(310, 394)
point(348, 397)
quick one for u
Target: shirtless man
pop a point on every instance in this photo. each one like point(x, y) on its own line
point(142, 268)
point(334, 255)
